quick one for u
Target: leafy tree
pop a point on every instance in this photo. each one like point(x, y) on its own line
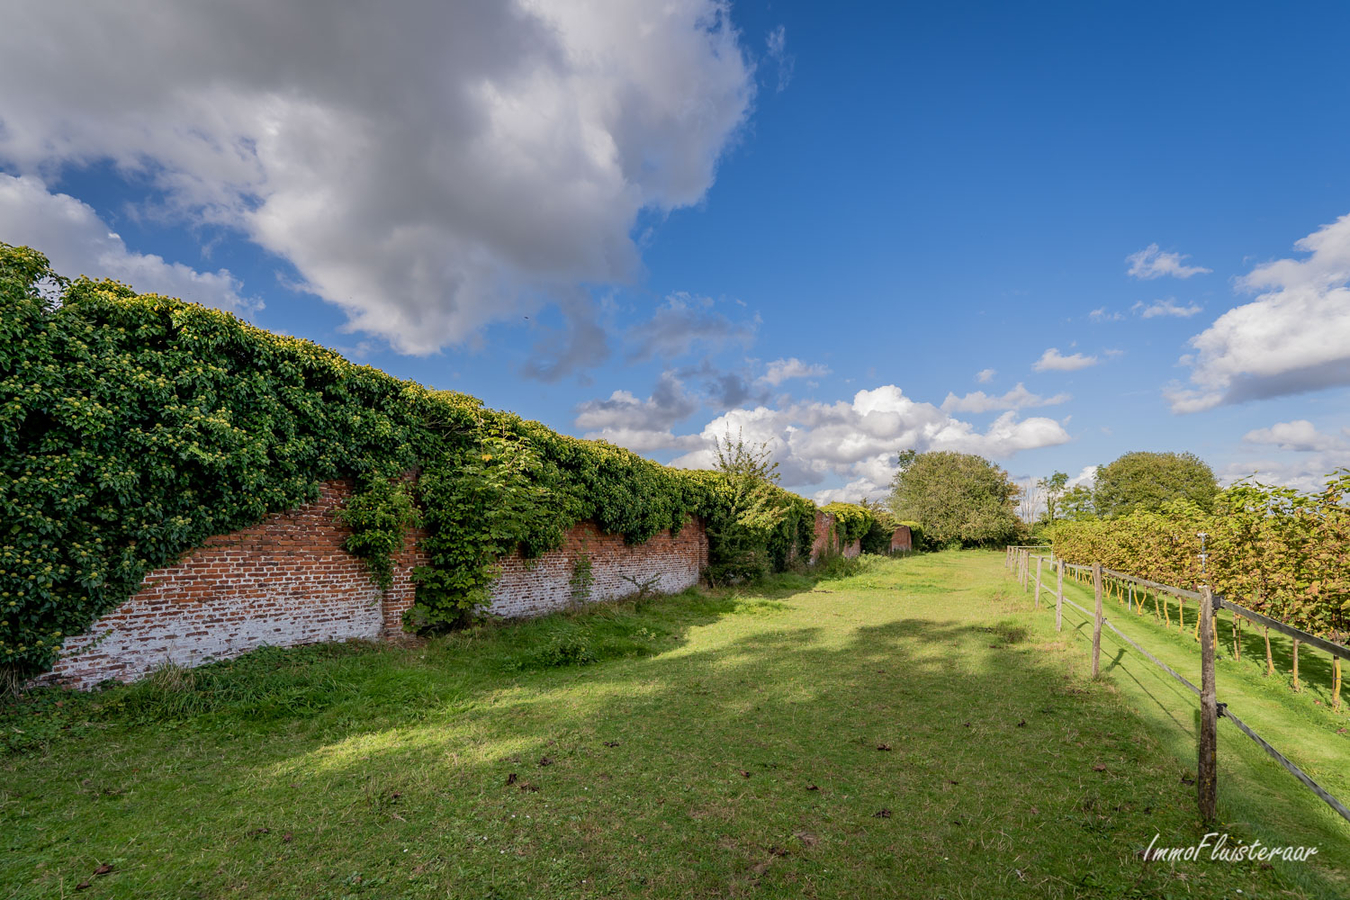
point(1147, 481)
point(1053, 488)
point(751, 510)
point(960, 499)
point(1076, 504)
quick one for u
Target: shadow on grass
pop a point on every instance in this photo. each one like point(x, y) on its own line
point(940, 750)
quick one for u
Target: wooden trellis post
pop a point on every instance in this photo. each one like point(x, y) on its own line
point(1059, 598)
point(1207, 776)
point(1037, 603)
point(1097, 620)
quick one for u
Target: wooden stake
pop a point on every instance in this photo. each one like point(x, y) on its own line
point(1037, 603)
point(1207, 776)
point(1296, 685)
point(1097, 620)
point(1181, 614)
point(1270, 661)
point(1059, 599)
point(1335, 684)
point(1237, 638)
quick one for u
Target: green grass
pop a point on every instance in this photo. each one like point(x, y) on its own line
point(705, 745)
point(1255, 793)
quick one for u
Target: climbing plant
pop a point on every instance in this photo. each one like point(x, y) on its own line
point(135, 426)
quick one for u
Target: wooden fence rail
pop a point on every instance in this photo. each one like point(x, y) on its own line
point(1019, 559)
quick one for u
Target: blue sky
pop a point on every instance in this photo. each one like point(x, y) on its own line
point(1048, 236)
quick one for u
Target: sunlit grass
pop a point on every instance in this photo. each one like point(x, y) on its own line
point(912, 729)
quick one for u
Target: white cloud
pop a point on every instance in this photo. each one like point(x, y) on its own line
point(78, 242)
point(858, 440)
point(1053, 361)
point(1087, 476)
point(1299, 435)
point(1294, 337)
point(1167, 307)
point(780, 370)
point(429, 167)
point(1152, 263)
point(641, 425)
point(984, 376)
point(1017, 398)
point(682, 322)
point(1100, 314)
point(776, 43)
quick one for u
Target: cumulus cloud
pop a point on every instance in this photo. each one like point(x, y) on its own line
point(1167, 307)
point(1294, 337)
point(984, 376)
point(428, 167)
point(780, 370)
point(1152, 262)
point(1053, 361)
point(1087, 476)
point(682, 322)
point(1017, 398)
point(78, 242)
point(1101, 314)
point(1298, 455)
point(1299, 435)
point(641, 425)
point(857, 440)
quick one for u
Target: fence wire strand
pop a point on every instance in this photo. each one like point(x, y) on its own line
point(1224, 711)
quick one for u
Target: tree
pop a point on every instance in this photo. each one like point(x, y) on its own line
point(960, 499)
point(1054, 488)
point(750, 511)
point(1076, 504)
point(1146, 481)
point(1030, 500)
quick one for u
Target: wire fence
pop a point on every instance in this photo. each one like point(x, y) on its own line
point(1020, 558)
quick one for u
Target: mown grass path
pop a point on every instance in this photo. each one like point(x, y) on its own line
point(1255, 794)
point(914, 730)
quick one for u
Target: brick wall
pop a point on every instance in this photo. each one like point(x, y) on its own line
point(827, 540)
point(902, 539)
point(287, 581)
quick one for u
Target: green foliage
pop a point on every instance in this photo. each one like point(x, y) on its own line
point(754, 526)
point(379, 515)
point(1076, 504)
point(917, 536)
point(879, 533)
point(1054, 488)
point(135, 426)
point(1281, 551)
point(851, 521)
point(1147, 481)
point(582, 580)
point(961, 500)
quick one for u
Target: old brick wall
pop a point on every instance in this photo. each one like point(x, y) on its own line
point(827, 540)
point(287, 581)
point(902, 540)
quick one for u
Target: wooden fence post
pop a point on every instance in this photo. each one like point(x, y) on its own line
point(1059, 599)
point(1207, 777)
point(1037, 603)
point(1097, 620)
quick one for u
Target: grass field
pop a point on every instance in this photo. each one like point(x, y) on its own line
point(912, 730)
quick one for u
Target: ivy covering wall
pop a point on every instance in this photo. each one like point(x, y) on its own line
point(135, 426)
